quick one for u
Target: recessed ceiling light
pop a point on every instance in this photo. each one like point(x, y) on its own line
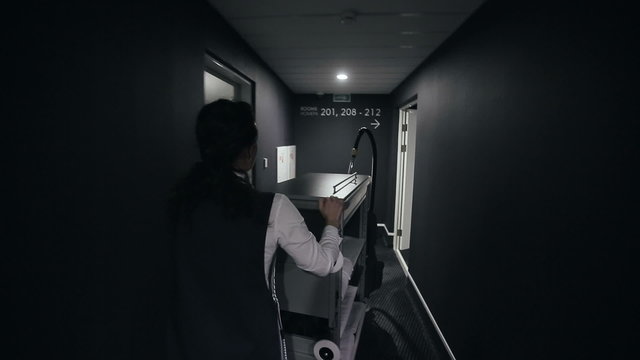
point(406, 46)
point(342, 76)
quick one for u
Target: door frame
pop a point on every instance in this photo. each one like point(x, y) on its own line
point(405, 166)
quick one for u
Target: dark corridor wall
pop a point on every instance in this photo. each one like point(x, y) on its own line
point(101, 100)
point(527, 209)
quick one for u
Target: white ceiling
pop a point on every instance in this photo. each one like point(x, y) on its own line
point(306, 44)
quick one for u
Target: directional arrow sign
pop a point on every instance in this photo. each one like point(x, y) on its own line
point(376, 123)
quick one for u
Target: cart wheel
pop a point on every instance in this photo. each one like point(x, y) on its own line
point(326, 350)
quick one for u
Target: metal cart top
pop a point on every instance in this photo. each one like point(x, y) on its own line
point(313, 186)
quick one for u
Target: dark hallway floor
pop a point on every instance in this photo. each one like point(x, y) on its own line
point(397, 326)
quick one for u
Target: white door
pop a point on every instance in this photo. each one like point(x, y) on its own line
point(404, 176)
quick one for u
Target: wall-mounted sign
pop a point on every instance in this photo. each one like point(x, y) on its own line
point(341, 97)
point(286, 162)
point(342, 111)
point(372, 115)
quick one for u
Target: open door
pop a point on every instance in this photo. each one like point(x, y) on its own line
point(404, 181)
point(222, 81)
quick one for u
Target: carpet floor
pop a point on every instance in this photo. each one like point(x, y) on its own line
point(396, 325)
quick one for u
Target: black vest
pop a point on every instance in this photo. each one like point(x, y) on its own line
point(222, 308)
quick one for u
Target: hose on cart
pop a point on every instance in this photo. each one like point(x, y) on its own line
point(373, 273)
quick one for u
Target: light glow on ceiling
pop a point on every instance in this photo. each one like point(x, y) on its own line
point(342, 76)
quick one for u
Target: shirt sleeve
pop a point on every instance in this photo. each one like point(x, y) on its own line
point(293, 236)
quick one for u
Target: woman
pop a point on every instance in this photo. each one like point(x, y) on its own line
point(226, 234)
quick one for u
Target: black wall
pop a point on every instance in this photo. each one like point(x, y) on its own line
point(324, 143)
point(101, 100)
point(526, 203)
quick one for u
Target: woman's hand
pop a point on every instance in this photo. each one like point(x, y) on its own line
point(331, 210)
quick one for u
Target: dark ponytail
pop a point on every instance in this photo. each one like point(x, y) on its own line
point(223, 130)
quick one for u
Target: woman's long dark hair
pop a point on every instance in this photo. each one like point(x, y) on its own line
point(223, 130)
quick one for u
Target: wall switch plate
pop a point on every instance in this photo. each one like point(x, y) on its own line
point(265, 163)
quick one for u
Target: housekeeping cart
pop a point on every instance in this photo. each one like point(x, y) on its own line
point(322, 317)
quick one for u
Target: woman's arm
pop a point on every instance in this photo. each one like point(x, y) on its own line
point(291, 233)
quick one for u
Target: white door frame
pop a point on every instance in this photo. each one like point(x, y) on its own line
point(407, 126)
point(404, 178)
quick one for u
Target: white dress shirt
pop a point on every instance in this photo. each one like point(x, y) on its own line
point(288, 230)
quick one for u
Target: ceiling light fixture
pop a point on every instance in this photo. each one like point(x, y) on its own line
point(342, 76)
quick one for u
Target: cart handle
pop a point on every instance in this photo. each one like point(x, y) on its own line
point(354, 181)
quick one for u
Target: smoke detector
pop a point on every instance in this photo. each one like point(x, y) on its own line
point(348, 17)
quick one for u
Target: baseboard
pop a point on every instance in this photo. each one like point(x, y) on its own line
point(417, 294)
